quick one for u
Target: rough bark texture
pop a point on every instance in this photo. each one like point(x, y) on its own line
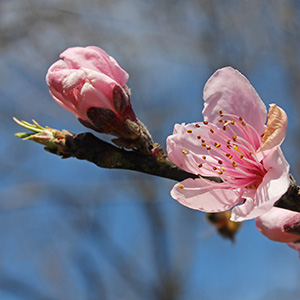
point(86, 146)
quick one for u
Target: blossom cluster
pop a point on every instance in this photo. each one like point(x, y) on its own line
point(237, 143)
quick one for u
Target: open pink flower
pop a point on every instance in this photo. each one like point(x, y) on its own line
point(234, 144)
point(90, 84)
point(281, 225)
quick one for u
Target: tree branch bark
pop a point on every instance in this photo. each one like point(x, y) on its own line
point(86, 146)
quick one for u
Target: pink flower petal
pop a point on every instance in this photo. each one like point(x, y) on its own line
point(181, 155)
point(205, 195)
point(68, 105)
point(186, 151)
point(96, 59)
point(229, 91)
point(271, 224)
point(97, 86)
point(241, 212)
point(276, 180)
point(274, 185)
point(66, 80)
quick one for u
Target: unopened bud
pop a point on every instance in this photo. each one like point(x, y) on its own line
point(91, 85)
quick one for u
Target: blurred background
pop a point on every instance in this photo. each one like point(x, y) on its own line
point(70, 230)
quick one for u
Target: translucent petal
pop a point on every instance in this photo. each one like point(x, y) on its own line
point(275, 183)
point(205, 195)
point(231, 92)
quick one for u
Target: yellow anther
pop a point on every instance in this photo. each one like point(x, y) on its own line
point(189, 131)
point(224, 127)
point(244, 123)
point(241, 156)
point(204, 157)
point(235, 147)
point(234, 164)
point(220, 172)
point(229, 155)
point(220, 120)
point(208, 147)
point(232, 122)
point(234, 138)
point(203, 144)
point(217, 145)
point(181, 186)
point(212, 131)
point(184, 152)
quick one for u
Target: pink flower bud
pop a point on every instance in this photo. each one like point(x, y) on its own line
point(272, 224)
point(281, 225)
point(90, 84)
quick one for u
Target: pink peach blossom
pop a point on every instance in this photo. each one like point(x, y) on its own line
point(252, 170)
point(271, 224)
point(90, 84)
point(276, 225)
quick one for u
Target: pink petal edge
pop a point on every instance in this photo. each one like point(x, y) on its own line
point(230, 91)
point(205, 195)
point(274, 185)
point(271, 224)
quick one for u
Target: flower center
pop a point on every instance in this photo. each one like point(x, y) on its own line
point(230, 150)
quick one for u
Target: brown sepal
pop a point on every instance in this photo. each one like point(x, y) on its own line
point(122, 104)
